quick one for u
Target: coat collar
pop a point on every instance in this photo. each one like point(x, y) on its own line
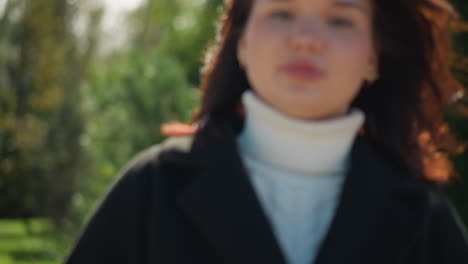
point(376, 219)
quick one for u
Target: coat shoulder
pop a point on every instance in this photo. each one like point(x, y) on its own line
point(146, 165)
point(151, 155)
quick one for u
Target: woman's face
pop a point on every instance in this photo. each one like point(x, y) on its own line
point(308, 58)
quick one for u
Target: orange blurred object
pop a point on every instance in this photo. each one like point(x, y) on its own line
point(177, 129)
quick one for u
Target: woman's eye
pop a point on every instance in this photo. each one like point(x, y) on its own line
point(282, 14)
point(341, 22)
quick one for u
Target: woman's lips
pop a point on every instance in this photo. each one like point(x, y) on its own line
point(302, 70)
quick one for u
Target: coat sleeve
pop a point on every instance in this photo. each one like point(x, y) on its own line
point(449, 235)
point(115, 232)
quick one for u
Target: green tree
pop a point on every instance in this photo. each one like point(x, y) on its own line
point(41, 69)
point(136, 88)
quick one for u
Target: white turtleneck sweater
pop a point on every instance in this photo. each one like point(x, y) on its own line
point(297, 169)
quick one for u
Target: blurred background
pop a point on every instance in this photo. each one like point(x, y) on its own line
point(86, 84)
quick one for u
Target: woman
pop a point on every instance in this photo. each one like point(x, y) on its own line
point(317, 142)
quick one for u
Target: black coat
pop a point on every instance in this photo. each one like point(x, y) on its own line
point(196, 205)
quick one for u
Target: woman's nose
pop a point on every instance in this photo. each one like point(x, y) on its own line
point(307, 35)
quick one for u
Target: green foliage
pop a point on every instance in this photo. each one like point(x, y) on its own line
point(184, 30)
point(27, 242)
point(134, 90)
point(129, 100)
point(40, 113)
point(149, 82)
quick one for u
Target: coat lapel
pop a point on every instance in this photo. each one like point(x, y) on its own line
point(375, 222)
point(378, 215)
point(223, 204)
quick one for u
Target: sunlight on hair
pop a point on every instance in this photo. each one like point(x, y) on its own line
point(437, 166)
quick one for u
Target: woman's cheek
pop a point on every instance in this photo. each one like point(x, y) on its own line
point(268, 29)
point(356, 48)
point(362, 44)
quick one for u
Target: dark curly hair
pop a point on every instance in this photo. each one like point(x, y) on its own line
point(404, 108)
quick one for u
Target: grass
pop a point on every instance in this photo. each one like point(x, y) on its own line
point(27, 242)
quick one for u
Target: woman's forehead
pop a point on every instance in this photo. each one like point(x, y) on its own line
point(363, 5)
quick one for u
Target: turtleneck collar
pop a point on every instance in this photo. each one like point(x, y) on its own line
point(297, 146)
